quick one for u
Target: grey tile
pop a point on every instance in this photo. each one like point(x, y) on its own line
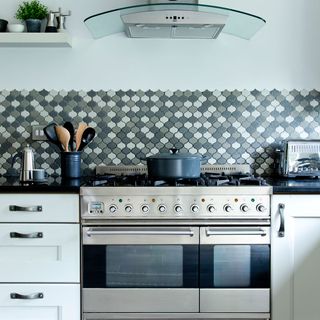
point(229, 125)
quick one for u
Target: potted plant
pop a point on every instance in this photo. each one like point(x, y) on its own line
point(32, 13)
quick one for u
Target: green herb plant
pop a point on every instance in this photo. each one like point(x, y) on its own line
point(31, 10)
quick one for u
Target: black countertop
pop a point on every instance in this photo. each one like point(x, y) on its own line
point(294, 186)
point(52, 185)
point(57, 185)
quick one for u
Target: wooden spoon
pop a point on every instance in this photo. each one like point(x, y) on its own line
point(63, 136)
point(82, 126)
point(69, 126)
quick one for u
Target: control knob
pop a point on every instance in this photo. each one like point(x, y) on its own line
point(128, 208)
point(162, 208)
point(261, 208)
point(194, 208)
point(113, 208)
point(227, 208)
point(211, 208)
point(177, 208)
point(145, 208)
point(244, 208)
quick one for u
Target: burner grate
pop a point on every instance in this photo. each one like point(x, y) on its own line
point(206, 179)
point(212, 175)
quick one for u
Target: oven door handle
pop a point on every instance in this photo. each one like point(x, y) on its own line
point(235, 232)
point(140, 232)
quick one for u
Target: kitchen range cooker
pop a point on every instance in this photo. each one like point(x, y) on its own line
point(176, 248)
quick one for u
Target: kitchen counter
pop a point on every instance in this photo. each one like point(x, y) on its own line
point(294, 186)
point(57, 185)
point(52, 185)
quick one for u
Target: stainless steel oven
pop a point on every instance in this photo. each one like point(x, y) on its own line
point(209, 270)
point(235, 269)
point(140, 269)
point(188, 252)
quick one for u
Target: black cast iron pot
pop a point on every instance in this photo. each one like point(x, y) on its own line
point(174, 165)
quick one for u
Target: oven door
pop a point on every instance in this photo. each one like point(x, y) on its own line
point(235, 269)
point(140, 269)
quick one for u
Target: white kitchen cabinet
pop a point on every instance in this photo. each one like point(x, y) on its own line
point(39, 257)
point(35, 207)
point(40, 301)
point(295, 258)
point(39, 253)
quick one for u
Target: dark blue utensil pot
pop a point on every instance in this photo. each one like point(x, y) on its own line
point(70, 165)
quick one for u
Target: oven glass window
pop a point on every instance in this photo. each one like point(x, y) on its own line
point(144, 266)
point(235, 266)
point(231, 266)
point(141, 266)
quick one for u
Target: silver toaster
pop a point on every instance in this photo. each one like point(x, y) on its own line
point(299, 158)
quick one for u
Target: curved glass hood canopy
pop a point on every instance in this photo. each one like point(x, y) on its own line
point(174, 19)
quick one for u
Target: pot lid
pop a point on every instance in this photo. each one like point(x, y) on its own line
point(185, 19)
point(175, 154)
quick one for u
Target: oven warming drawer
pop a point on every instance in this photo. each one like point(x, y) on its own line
point(140, 300)
point(235, 300)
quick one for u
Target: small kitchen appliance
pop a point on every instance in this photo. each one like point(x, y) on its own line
point(27, 164)
point(299, 158)
point(189, 248)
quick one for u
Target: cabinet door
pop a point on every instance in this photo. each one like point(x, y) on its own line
point(39, 253)
point(39, 207)
point(40, 301)
point(295, 258)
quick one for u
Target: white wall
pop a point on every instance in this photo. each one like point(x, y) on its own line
point(284, 54)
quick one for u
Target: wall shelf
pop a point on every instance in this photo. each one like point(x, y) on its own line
point(41, 39)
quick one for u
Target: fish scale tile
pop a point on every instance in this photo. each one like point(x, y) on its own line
point(228, 126)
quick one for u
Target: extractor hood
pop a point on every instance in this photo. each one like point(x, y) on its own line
point(184, 19)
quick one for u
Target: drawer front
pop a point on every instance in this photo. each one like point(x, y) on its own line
point(39, 253)
point(39, 208)
point(40, 302)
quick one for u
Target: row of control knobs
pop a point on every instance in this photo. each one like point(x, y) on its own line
point(194, 208)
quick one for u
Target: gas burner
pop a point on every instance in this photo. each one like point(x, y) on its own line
point(236, 179)
point(215, 179)
point(101, 180)
point(135, 180)
point(178, 182)
point(252, 181)
point(130, 180)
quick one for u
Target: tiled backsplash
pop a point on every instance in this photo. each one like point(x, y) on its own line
point(229, 126)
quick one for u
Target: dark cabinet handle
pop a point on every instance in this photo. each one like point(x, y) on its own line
point(281, 212)
point(27, 209)
point(31, 296)
point(34, 235)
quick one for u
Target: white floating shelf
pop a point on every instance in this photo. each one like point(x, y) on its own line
point(30, 39)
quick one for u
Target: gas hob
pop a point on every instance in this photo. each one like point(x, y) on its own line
point(222, 192)
point(136, 176)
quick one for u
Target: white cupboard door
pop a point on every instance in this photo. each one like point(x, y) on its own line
point(39, 207)
point(296, 258)
point(40, 302)
point(39, 253)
